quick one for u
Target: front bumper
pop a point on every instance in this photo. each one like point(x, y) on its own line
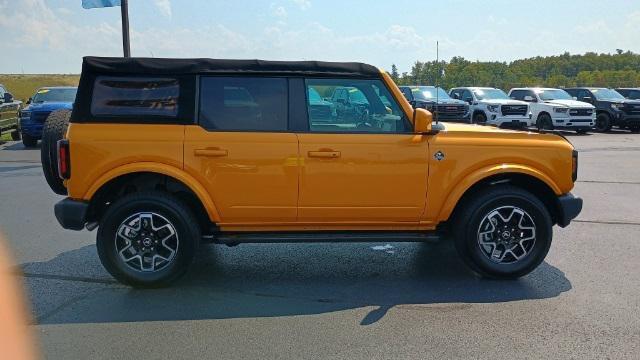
point(626, 120)
point(71, 214)
point(574, 122)
point(569, 208)
point(31, 128)
point(512, 121)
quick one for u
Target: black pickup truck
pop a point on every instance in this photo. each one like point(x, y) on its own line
point(9, 108)
point(612, 108)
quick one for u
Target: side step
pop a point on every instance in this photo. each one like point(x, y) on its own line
point(233, 239)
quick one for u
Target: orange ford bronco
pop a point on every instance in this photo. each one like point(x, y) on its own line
point(161, 154)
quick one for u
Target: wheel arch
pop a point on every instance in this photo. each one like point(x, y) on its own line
point(529, 179)
point(145, 176)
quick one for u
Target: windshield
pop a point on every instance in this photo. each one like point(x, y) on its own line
point(607, 94)
point(554, 94)
point(55, 95)
point(490, 94)
point(314, 96)
point(429, 93)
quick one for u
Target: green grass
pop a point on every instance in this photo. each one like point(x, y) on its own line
point(24, 86)
point(5, 137)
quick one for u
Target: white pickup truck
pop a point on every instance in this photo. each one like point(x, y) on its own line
point(493, 106)
point(556, 109)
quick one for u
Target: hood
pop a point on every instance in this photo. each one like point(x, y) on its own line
point(444, 101)
point(503, 102)
point(570, 103)
point(631, 102)
point(48, 106)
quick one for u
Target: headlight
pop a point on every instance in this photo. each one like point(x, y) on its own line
point(493, 108)
point(561, 110)
point(617, 106)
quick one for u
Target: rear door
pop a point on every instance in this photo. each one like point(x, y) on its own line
point(242, 151)
point(366, 168)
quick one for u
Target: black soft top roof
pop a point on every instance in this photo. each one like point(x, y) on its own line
point(112, 65)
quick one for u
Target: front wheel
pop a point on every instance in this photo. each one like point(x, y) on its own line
point(603, 122)
point(29, 141)
point(503, 232)
point(148, 239)
point(544, 122)
point(479, 118)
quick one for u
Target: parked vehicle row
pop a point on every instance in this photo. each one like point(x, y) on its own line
point(577, 109)
point(9, 108)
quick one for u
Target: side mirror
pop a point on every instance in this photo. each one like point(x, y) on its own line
point(422, 121)
point(574, 98)
point(456, 96)
point(29, 101)
point(8, 97)
point(342, 101)
point(528, 98)
point(587, 99)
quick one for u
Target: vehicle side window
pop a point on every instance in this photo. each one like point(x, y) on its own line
point(243, 103)
point(634, 94)
point(2, 91)
point(367, 107)
point(583, 93)
point(467, 96)
point(129, 96)
point(407, 93)
point(517, 95)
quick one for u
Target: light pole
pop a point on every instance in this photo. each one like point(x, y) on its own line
point(126, 46)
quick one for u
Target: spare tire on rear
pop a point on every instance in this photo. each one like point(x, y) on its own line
point(54, 129)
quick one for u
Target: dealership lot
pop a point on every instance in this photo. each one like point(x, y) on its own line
point(342, 300)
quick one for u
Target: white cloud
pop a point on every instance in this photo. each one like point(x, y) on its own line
point(302, 4)
point(164, 6)
point(279, 11)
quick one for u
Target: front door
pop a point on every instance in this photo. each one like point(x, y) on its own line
point(368, 168)
point(241, 150)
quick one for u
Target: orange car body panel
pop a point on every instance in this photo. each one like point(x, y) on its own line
point(258, 181)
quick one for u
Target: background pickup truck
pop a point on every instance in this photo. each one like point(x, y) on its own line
point(9, 108)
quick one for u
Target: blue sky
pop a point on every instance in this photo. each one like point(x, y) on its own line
point(51, 36)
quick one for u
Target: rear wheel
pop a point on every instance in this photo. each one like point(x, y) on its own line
point(148, 239)
point(603, 122)
point(29, 141)
point(545, 122)
point(54, 129)
point(504, 232)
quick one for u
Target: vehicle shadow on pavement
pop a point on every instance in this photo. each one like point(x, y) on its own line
point(251, 281)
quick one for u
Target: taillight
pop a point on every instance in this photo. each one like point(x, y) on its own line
point(64, 160)
point(574, 166)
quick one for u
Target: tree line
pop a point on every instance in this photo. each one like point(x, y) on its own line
point(621, 69)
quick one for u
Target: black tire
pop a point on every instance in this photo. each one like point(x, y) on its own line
point(479, 118)
point(544, 122)
point(603, 122)
point(15, 135)
point(54, 129)
point(476, 212)
point(164, 207)
point(28, 141)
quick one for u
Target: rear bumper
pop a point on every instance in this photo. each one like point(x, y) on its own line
point(569, 208)
point(71, 214)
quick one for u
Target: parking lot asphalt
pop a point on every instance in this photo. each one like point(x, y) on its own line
point(352, 301)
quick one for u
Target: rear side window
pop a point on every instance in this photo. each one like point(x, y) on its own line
point(243, 103)
point(135, 96)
